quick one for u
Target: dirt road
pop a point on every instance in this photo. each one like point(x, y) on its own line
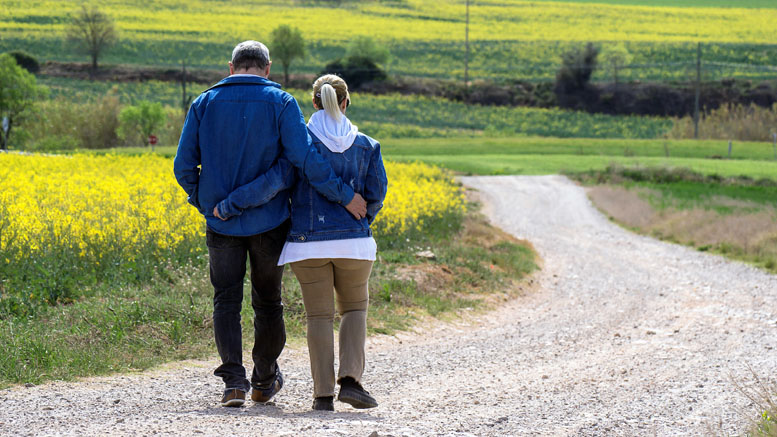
point(625, 335)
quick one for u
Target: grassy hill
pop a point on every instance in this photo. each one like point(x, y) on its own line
point(509, 38)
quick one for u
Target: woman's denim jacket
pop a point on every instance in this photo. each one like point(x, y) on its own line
point(313, 216)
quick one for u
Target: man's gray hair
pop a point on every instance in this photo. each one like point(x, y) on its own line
point(250, 54)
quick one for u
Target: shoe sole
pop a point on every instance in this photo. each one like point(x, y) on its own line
point(233, 403)
point(357, 403)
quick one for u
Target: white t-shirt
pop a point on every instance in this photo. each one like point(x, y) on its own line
point(352, 248)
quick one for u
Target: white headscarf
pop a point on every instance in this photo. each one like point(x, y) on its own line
point(336, 136)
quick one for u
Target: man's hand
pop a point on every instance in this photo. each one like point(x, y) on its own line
point(357, 207)
point(216, 213)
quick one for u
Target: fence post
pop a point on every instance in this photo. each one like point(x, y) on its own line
point(698, 93)
point(774, 144)
point(729, 149)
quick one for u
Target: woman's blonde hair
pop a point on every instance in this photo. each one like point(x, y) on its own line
point(329, 91)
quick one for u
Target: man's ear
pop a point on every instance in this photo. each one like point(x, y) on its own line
point(267, 70)
point(231, 69)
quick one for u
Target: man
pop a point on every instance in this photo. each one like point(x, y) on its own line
point(237, 132)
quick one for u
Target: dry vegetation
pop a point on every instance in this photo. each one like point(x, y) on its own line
point(731, 122)
point(749, 232)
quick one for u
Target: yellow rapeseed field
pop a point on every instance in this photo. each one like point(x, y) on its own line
point(526, 20)
point(122, 207)
point(417, 192)
point(92, 205)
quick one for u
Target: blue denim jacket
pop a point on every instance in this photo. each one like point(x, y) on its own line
point(313, 217)
point(235, 133)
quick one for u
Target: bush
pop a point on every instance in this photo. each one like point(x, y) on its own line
point(137, 123)
point(731, 122)
point(170, 132)
point(63, 124)
point(356, 71)
point(574, 77)
point(26, 61)
point(364, 46)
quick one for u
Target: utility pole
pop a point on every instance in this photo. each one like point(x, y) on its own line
point(466, 53)
point(698, 93)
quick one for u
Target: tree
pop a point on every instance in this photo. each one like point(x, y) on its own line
point(137, 123)
point(93, 32)
point(577, 67)
point(286, 45)
point(366, 47)
point(18, 92)
point(616, 56)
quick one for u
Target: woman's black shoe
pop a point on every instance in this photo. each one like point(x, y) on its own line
point(351, 392)
point(324, 403)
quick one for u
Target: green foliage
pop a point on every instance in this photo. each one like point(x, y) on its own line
point(137, 123)
point(366, 47)
point(615, 56)
point(91, 31)
point(26, 61)
point(18, 93)
point(286, 45)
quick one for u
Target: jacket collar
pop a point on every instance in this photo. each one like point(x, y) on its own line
point(245, 79)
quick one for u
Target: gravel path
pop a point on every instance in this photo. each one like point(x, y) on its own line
point(624, 335)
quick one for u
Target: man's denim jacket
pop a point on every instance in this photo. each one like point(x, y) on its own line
point(313, 216)
point(235, 134)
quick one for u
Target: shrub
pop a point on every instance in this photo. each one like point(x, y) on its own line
point(26, 61)
point(365, 46)
point(170, 132)
point(573, 79)
point(356, 71)
point(19, 92)
point(137, 123)
point(731, 122)
point(62, 124)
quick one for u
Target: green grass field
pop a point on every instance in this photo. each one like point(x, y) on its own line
point(536, 155)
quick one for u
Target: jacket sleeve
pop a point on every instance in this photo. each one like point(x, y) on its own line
point(298, 149)
point(259, 191)
point(376, 185)
point(186, 164)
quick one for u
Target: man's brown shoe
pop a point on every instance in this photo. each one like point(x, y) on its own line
point(264, 395)
point(233, 398)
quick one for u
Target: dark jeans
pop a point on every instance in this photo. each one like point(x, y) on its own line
point(227, 270)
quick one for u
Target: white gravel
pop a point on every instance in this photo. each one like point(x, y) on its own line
point(624, 335)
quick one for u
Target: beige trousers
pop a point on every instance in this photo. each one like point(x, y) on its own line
point(323, 281)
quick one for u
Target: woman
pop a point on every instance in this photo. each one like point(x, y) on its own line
point(331, 252)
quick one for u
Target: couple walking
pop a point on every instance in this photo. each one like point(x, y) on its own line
point(275, 191)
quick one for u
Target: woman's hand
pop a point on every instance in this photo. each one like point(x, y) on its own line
point(357, 207)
